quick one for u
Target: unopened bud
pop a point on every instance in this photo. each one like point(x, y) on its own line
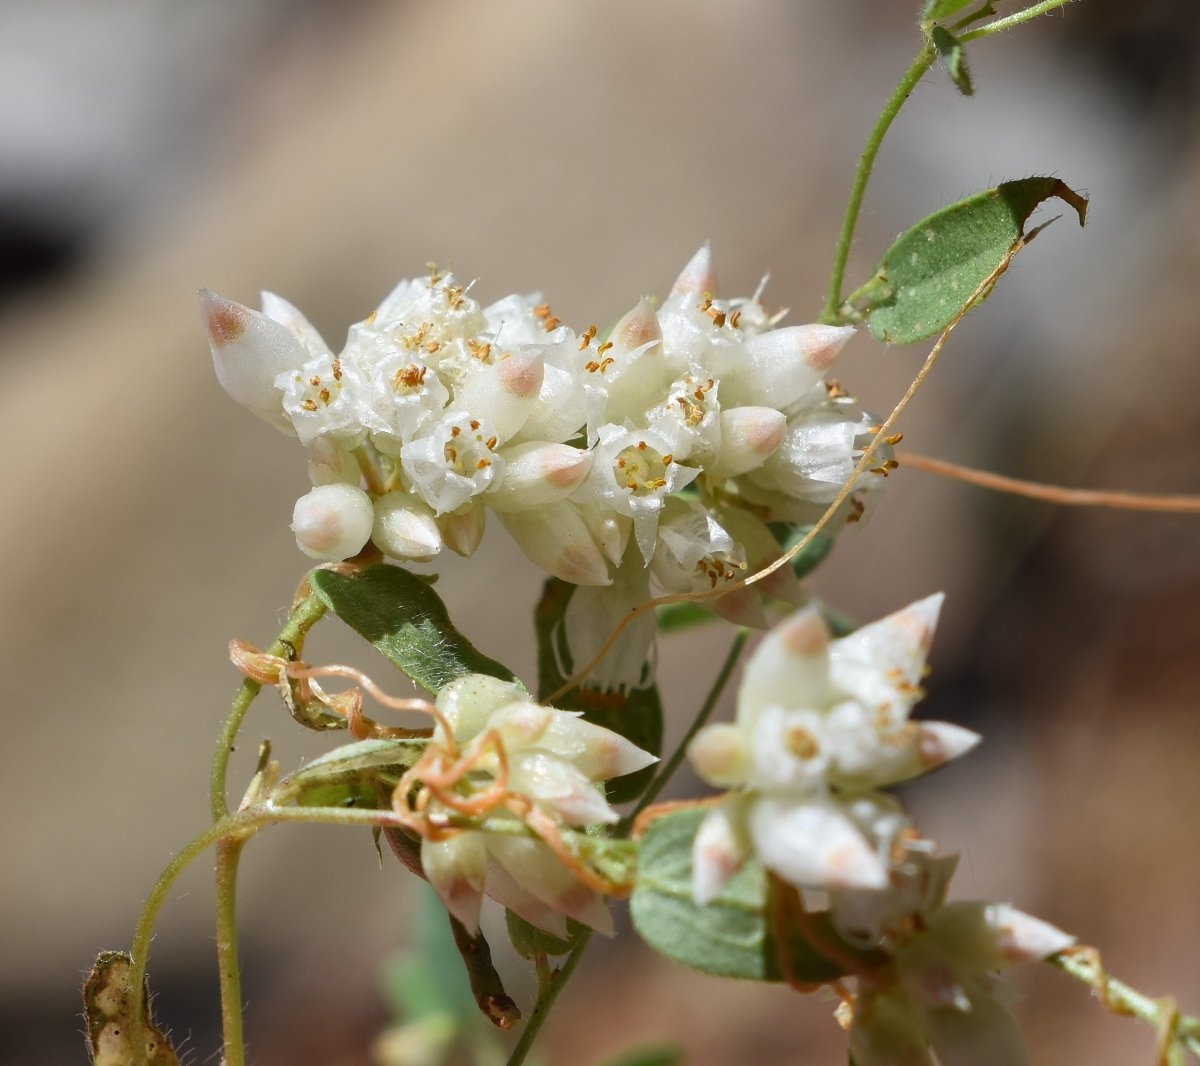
point(333, 522)
point(405, 528)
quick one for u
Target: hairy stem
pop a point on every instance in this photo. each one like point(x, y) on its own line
point(229, 851)
point(833, 301)
point(140, 949)
point(546, 998)
point(1015, 19)
point(305, 614)
point(1084, 965)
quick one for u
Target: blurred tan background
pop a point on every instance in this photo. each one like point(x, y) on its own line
point(323, 151)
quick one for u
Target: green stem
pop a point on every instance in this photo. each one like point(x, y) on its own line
point(546, 998)
point(305, 615)
point(832, 314)
point(1015, 19)
point(140, 949)
point(548, 992)
point(667, 770)
point(229, 851)
point(1122, 999)
point(236, 828)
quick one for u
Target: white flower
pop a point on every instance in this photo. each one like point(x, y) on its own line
point(577, 440)
point(821, 723)
point(554, 761)
point(452, 461)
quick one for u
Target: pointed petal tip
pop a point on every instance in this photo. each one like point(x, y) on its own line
point(804, 634)
point(940, 742)
point(1023, 938)
point(224, 320)
point(638, 327)
point(699, 276)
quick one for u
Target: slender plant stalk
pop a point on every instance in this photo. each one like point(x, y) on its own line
point(546, 999)
point(667, 770)
point(833, 301)
point(1084, 965)
point(229, 851)
point(549, 993)
point(140, 949)
point(305, 615)
point(1015, 19)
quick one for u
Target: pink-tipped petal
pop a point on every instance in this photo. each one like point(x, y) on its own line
point(699, 276)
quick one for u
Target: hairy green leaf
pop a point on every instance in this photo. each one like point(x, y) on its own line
point(954, 58)
point(636, 714)
point(728, 937)
point(407, 621)
point(754, 929)
point(108, 1003)
point(924, 279)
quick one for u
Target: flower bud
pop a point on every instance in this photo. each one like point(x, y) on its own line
point(330, 463)
point(405, 528)
point(249, 350)
point(538, 473)
point(748, 436)
point(333, 522)
point(718, 752)
point(463, 529)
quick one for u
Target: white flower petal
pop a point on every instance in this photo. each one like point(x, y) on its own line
point(789, 668)
point(249, 351)
point(813, 844)
point(456, 869)
point(720, 849)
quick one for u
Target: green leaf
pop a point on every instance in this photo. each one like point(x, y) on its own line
point(954, 58)
point(940, 9)
point(108, 1003)
point(728, 937)
point(923, 280)
point(741, 933)
point(636, 715)
point(654, 1055)
point(361, 774)
point(406, 620)
point(806, 561)
point(529, 941)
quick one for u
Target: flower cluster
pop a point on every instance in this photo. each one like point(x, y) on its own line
point(683, 432)
point(821, 726)
point(521, 773)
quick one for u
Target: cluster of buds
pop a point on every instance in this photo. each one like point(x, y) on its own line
point(501, 779)
point(821, 726)
point(683, 432)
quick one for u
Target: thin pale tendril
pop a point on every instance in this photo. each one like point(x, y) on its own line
point(396, 703)
point(1035, 490)
point(864, 464)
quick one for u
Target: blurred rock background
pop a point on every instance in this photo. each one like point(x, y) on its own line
point(325, 150)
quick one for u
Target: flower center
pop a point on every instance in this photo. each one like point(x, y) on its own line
point(641, 469)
